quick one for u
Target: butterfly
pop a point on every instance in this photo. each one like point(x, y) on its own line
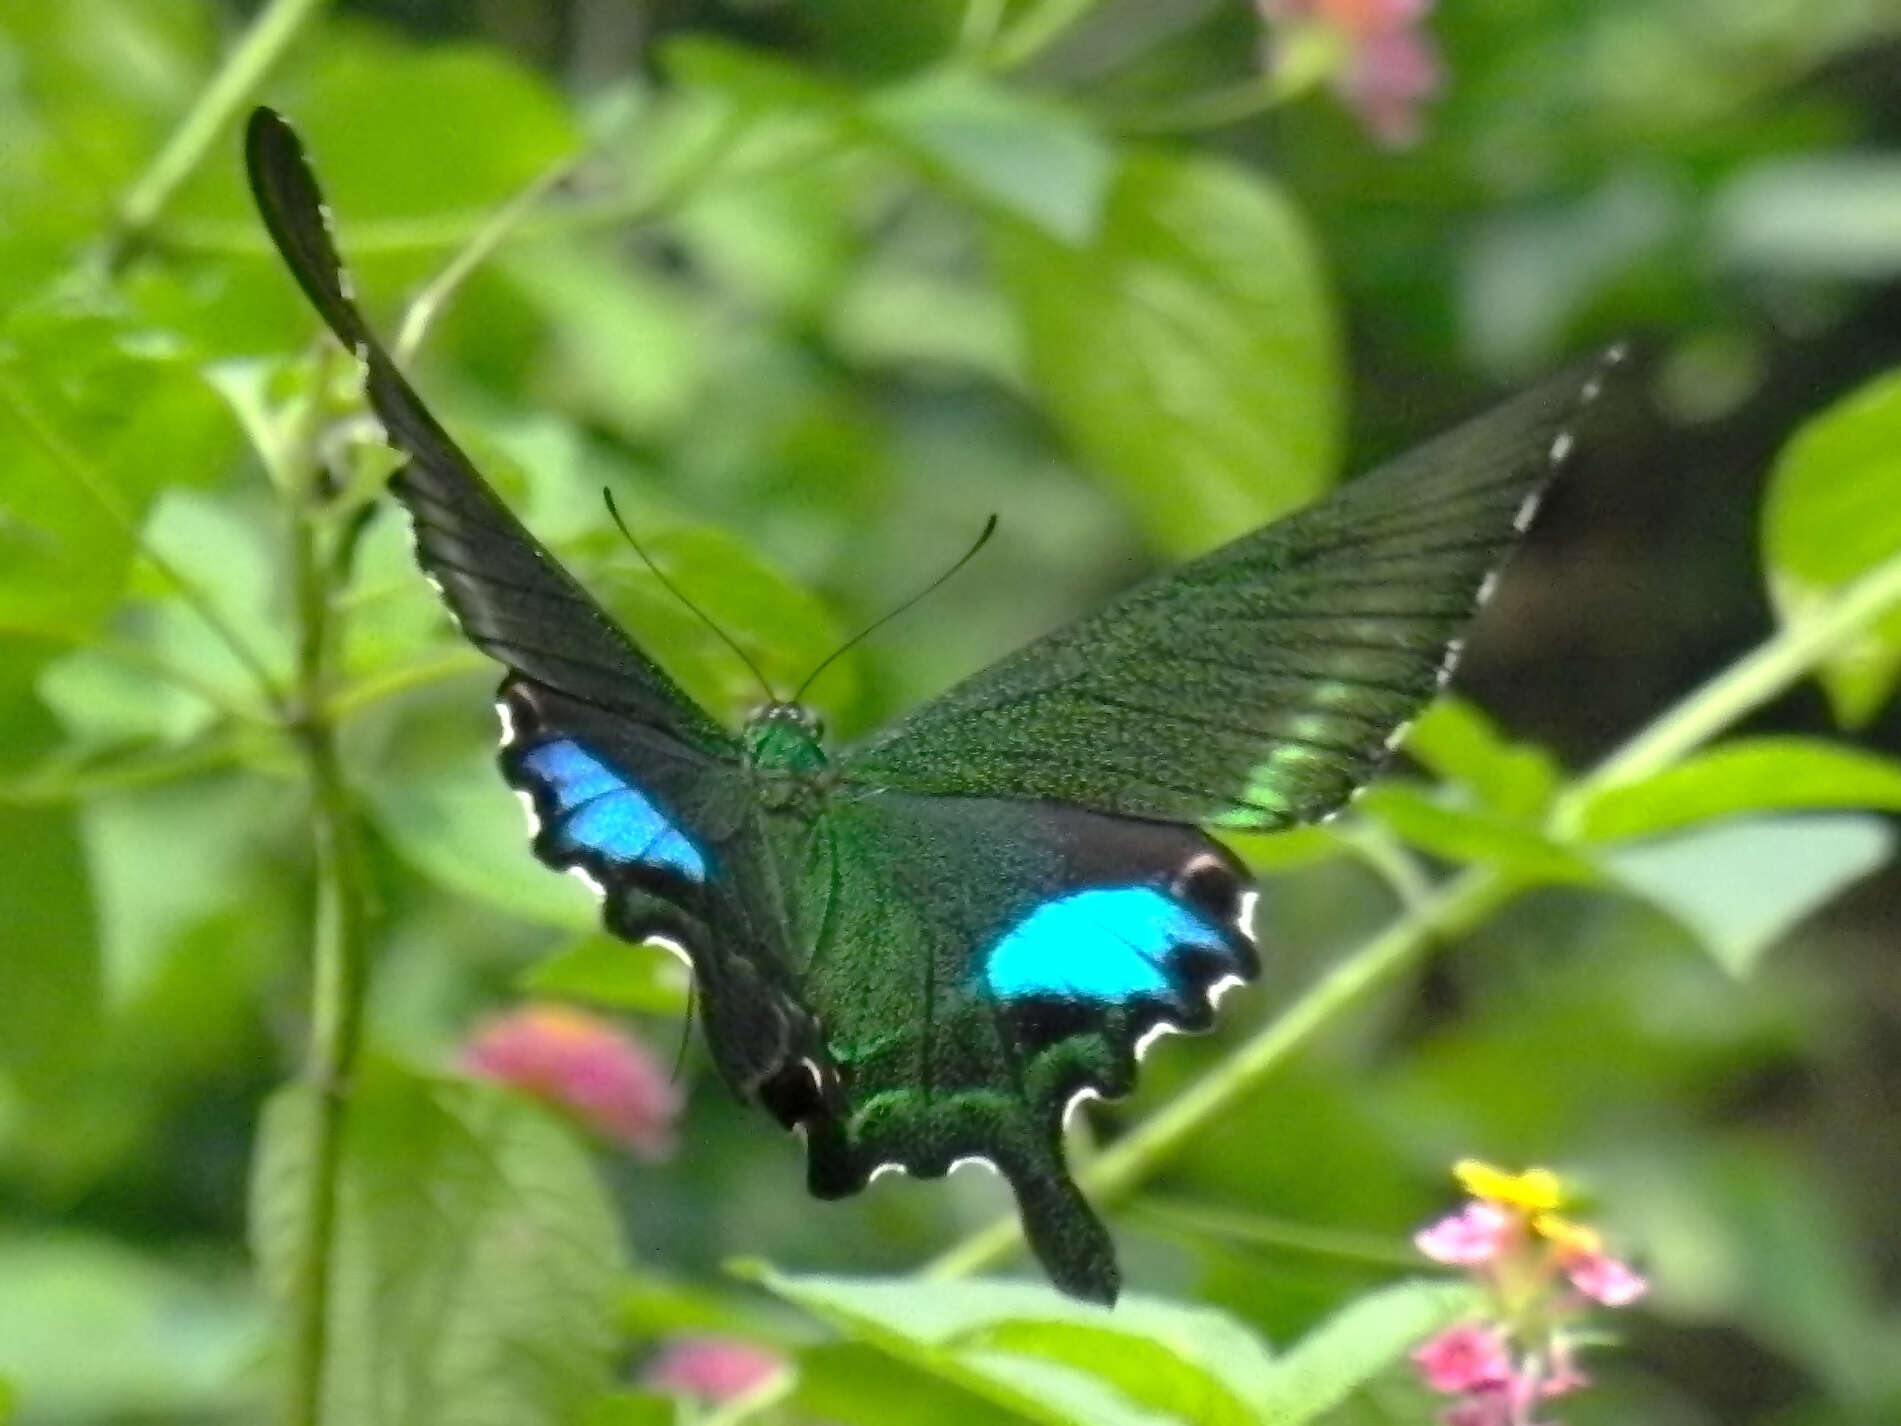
point(929, 947)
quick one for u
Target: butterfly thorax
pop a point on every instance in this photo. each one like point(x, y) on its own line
point(785, 748)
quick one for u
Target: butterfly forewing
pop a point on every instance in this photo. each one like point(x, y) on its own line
point(631, 784)
point(1257, 686)
point(514, 601)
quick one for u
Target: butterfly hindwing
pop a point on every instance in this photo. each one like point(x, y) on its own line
point(978, 964)
point(677, 850)
point(1258, 686)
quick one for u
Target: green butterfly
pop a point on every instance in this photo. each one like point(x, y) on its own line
point(929, 947)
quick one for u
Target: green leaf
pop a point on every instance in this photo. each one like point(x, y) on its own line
point(49, 974)
point(1746, 775)
point(1358, 1343)
point(630, 1408)
point(1832, 513)
point(91, 1330)
point(88, 401)
point(400, 131)
point(474, 1260)
point(900, 310)
point(625, 347)
point(604, 970)
point(456, 822)
point(1188, 351)
point(222, 828)
point(856, 1385)
point(1029, 157)
point(1460, 834)
point(1740, 886)
point(756, 81)
point(1286, 851)
point(1027, 1348)
point(1831, 216)
point(1753, 1230)
point(1459, 742)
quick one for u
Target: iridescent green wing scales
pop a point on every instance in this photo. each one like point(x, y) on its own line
point(976, 967)
point(1259, 685)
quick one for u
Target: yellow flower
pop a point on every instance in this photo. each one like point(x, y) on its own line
point(1534, 1191)
point(1572, 1240)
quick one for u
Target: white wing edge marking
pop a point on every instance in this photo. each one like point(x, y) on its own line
point(1076, 1101)
point(581, 873)
point(892, 1166)
point(1244, 924)
point(342, 273)
point(673, 947)
point(1152, 1034)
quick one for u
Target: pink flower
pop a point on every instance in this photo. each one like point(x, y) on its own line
point(715, 1369)
point(1604, 1279)
point(1485, 1408)
point(581, 1063)
point(1464, 1358)
point(1540, 1270)
point(1472, 1236)
point(1391, 67)
point(1562, 1373)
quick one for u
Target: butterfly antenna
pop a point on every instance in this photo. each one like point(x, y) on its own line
point(674, 589)
point(989, 529)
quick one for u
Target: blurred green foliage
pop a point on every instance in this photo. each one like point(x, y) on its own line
point(815, 288)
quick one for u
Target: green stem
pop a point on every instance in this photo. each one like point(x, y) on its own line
point(340, 961)
point(270, 35)
point(1037, 31)
point(55, 786)
point(454, 231)
point(1765, 673)
point(1306, 57)
point(348, 701)
point(428, 303)
point(1205, 1219)
point(978, 30)
point(1459, 903)
point(335, 1037)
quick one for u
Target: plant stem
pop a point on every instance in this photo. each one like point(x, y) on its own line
point(453, 231)
point(1037, 31)
point(1305, 57)
point(1766, 672)
point(979, 26)
point(262, 45)
point(339, 972)
point(1251, 1228)
point(428, 303)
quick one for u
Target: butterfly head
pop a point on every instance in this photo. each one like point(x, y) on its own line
point(785, 738)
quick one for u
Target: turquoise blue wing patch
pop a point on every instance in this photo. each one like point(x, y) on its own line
point(1111, 945)
point(593, 811)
